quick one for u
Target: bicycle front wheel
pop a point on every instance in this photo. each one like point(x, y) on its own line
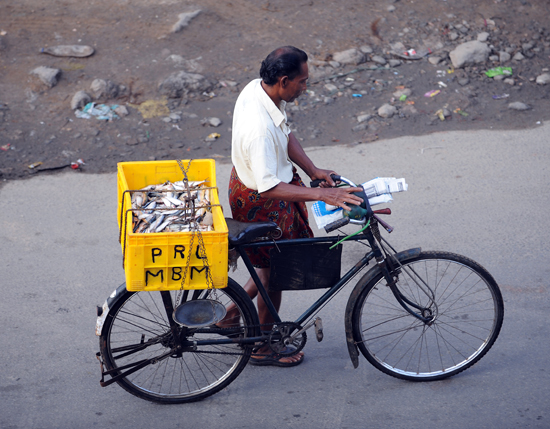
point(460, 297)
point(138, 334)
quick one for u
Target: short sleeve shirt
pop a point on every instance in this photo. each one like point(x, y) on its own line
point(259, 146)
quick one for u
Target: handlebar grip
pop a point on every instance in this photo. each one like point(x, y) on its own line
point(317, 182)
point(337, 224)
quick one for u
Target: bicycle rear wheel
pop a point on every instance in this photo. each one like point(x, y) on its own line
point(138, 329)
point(466, 308)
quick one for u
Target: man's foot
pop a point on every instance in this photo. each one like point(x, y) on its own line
point(261, 359)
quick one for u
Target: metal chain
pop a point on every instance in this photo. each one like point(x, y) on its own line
point(201, 251)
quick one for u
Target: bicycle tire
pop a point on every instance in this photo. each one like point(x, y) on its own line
point(139, 318)
point(468, 310)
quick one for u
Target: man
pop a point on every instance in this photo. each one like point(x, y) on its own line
point(264, 184)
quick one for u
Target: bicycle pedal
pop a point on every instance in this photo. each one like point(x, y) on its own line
point(319, 329)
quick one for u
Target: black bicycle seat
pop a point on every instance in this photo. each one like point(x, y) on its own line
point(245, 232)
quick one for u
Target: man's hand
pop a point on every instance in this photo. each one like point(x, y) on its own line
point(341, 197)
point(324, 175)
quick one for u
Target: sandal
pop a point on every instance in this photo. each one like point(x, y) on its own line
point(270, 360)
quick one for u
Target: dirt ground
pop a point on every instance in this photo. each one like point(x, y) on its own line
point(136, 49)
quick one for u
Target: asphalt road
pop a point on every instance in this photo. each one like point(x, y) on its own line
point(483, 194)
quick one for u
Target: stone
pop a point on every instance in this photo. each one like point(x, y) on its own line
point(463, 81)
point(504, 57)
point(122, 111)
point(104, 88)
point(181, 83)
point(482, 37)
point(453, 35)
point(184, 19)
point(360, 127)
point(435, 60)
point(406, 91)
point(543, 79)
point(387, 111)
point(494, 58)
point(366, 49)
point(174, 117)
point(49, 76)
point(518, 105)
point(509, 81)
point(394, 63)
point(363, 117)
point(80, 99)
point(378, 59)
point(518, 57)
point(350, 56)
point(469, 53)
point(390, 8)
point(331, 87)
point(334, 64)
point(213, 122)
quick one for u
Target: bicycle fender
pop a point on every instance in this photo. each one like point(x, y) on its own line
point(352, 300)
point(103, 311)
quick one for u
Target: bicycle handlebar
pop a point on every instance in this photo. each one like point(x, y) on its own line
point(337, 224)
point(317, 182)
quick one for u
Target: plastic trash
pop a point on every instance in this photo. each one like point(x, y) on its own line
point(403, 97)
point(500, 97)
point(34, 165)
point(80, 51)
point(505, 71)
point(5, 147)
point(357, 95)
point(100, 111)
point(432, 93)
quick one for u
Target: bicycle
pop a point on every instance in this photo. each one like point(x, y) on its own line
point(414, 315)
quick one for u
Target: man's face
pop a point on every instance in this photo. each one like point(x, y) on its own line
point(295, 87)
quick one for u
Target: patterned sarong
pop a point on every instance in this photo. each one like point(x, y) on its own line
point(247, 205)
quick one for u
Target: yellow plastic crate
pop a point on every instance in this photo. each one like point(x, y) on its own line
point(157, 261)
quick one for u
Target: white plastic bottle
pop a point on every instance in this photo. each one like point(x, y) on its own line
point(68, 51)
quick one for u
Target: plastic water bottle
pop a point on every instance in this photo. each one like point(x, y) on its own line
point(69, 51)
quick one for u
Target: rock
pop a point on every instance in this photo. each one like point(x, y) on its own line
point(80, 99)
point(183, 20)
point(434, 60)
point(174, 117)
point(407, 92)
point(469, 53)
point(350, 56)
point(104, 88)
point(453, 35)
point(463, 81)
point(366, 49)
point(363, 117)
point(49, 76)
point(360, 127)
point(390, 8)
point(482, 37)
point(527, 46)
point(334, 64)
point(509, 81)
point(499, 77)
point(394, 63)
point(387, 111)
point(518, 105)
point(378, 59)
point(504, 57)
point(213, 122)
point(543, 79)
point(518, 57)
point(122, 111)
point(494, 58)
point(181, 83)
point(331, 88)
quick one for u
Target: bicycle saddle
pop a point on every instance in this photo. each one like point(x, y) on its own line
point(245, 232)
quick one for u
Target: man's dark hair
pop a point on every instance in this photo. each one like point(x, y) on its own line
point(284, 61)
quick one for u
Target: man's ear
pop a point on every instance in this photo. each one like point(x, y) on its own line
point(284, 81)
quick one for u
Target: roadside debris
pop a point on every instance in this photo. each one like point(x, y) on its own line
point(79, 51)
point(101, 112)
point(184, 19)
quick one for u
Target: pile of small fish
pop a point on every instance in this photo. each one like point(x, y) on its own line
point(172, 207)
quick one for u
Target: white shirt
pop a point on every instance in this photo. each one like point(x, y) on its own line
point(259, 146)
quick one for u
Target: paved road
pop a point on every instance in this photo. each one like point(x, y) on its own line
point(483, 194)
